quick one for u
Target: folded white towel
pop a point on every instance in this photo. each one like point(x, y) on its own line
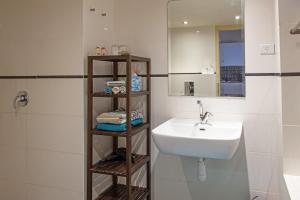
point(120, 115)
point(115, 83)
point(111, 120)
point(117, 117)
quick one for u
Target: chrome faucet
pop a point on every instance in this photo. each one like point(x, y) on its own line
point(204, 117)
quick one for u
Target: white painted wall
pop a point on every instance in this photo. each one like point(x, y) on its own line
point(143, 26)
point(99, 31)
point(192, 51)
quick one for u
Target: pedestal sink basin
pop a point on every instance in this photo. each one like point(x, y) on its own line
point(216, 140)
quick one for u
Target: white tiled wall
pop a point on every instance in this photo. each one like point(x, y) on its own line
point(260, 110)
point(41, 145)
point(289, 44)
point(291, 149)
point(42, 148)
point(261, 128)
point(41, 37)
point(290, 49)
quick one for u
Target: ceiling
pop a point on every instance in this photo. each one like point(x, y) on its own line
point(204, 12)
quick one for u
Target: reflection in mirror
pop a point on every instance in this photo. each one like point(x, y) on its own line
point(206, 51)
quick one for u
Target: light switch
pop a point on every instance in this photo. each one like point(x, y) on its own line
point(267, 49)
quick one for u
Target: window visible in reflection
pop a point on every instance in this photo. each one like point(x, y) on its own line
point(232, 62)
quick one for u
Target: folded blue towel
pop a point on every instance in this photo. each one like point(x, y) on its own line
point(108, 90)
point(118, 127)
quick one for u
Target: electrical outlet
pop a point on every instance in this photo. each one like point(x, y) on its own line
point(267, 49)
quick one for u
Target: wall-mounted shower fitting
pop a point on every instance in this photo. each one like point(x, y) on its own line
point(21, 100)
point(189, 88)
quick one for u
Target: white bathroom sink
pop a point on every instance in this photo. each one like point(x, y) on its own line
point(216, 140)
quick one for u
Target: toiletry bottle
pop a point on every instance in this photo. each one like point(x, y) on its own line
point(136, 82)
point(98, 51)
point(103, 51)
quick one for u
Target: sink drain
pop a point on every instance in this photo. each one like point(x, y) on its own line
point(202, 129)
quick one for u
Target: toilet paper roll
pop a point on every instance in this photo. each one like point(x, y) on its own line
point(116, 90)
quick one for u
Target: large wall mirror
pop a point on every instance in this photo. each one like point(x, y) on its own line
point(206, 49)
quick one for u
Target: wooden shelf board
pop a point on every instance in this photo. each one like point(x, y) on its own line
point(134, 130)
point(133, 94)
point(119, 58)
point(119, 192)
point(119, 168)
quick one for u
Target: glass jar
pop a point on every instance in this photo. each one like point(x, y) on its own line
point(114, 50)
point(123, 50)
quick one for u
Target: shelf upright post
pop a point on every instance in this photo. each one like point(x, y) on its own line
point(89, 189)
point(115, 106)
point(128, 120)
point(149, 128)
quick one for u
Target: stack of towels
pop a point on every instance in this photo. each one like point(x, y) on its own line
point(116, 87)
point(116, 121)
